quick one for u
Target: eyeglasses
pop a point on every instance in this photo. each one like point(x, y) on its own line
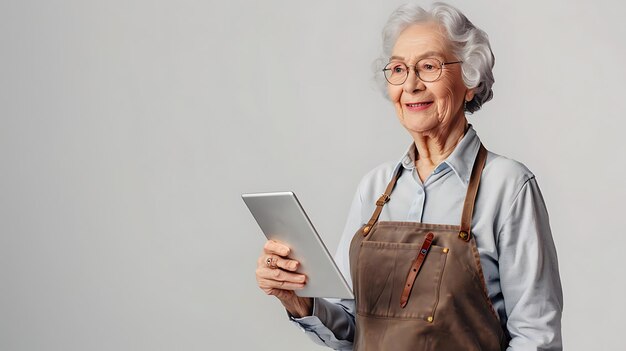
point(427, 70)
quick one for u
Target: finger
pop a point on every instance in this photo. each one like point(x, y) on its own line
point(279, 275)
point(269, 261)
point(281, 294)
point(266, 285)
point(277, 248)
point(284, 263)
point(276, 262)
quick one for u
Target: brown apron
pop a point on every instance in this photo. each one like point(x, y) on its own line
point(420, 286)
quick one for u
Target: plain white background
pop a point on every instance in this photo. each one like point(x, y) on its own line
point(128, 130)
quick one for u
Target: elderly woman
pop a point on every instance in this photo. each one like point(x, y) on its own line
point(457, 253)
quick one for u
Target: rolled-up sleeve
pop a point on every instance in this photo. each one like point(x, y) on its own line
point(331, 325)
point(529, 274)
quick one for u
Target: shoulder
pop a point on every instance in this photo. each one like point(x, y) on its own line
point(504, 171)
point(375, 181)
point(506, 183)
point(502, 182)
point(382, 172)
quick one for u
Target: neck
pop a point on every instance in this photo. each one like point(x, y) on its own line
point(435, 146)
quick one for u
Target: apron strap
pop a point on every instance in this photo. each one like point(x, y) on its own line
point(470, 197)
point(468, 206)
point(382, 200)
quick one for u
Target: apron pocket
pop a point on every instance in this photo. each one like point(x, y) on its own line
point(382, 271)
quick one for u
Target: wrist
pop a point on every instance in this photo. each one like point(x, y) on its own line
point(299, 307)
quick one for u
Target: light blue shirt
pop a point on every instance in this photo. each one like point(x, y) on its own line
point(512, 232)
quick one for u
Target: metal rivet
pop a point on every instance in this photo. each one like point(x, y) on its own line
point(463, 235)
point(445, 250)
point(429, 319)
point(366, 230)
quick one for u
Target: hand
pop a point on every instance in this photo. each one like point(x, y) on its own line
point(279, 278)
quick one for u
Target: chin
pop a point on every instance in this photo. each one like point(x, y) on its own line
point(418, 123)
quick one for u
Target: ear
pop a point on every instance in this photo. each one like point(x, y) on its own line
point(469, 95)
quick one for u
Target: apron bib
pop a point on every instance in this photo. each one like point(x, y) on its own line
point(420, 286)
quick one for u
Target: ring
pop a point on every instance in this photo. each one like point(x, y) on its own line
point(270, 262)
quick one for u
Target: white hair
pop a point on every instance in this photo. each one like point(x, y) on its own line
point(469, 43)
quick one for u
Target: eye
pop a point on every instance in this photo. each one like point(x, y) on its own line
point(398, 68)
point(428, 65)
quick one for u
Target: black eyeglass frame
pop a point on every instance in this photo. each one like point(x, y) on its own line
point(415, 70)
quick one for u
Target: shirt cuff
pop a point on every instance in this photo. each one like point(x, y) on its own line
point(309, 323)
point(317, 330)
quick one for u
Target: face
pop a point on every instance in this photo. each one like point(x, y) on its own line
point(427, 108)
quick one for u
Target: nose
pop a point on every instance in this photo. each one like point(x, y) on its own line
point(412, 83)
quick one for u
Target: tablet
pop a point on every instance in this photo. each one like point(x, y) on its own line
point(282, 218)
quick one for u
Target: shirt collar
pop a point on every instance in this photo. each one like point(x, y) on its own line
point(461, 160)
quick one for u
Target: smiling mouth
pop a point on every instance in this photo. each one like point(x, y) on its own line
point(419, 104)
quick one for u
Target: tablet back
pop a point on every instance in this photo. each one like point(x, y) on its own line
point(282, 218)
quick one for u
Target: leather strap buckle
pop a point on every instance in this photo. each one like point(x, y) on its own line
point(383, 199)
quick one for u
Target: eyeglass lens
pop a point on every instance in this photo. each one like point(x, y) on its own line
point(427, 70)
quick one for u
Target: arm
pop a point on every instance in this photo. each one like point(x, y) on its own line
point(331, 325)
point(332, 322)
point(529, 274)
